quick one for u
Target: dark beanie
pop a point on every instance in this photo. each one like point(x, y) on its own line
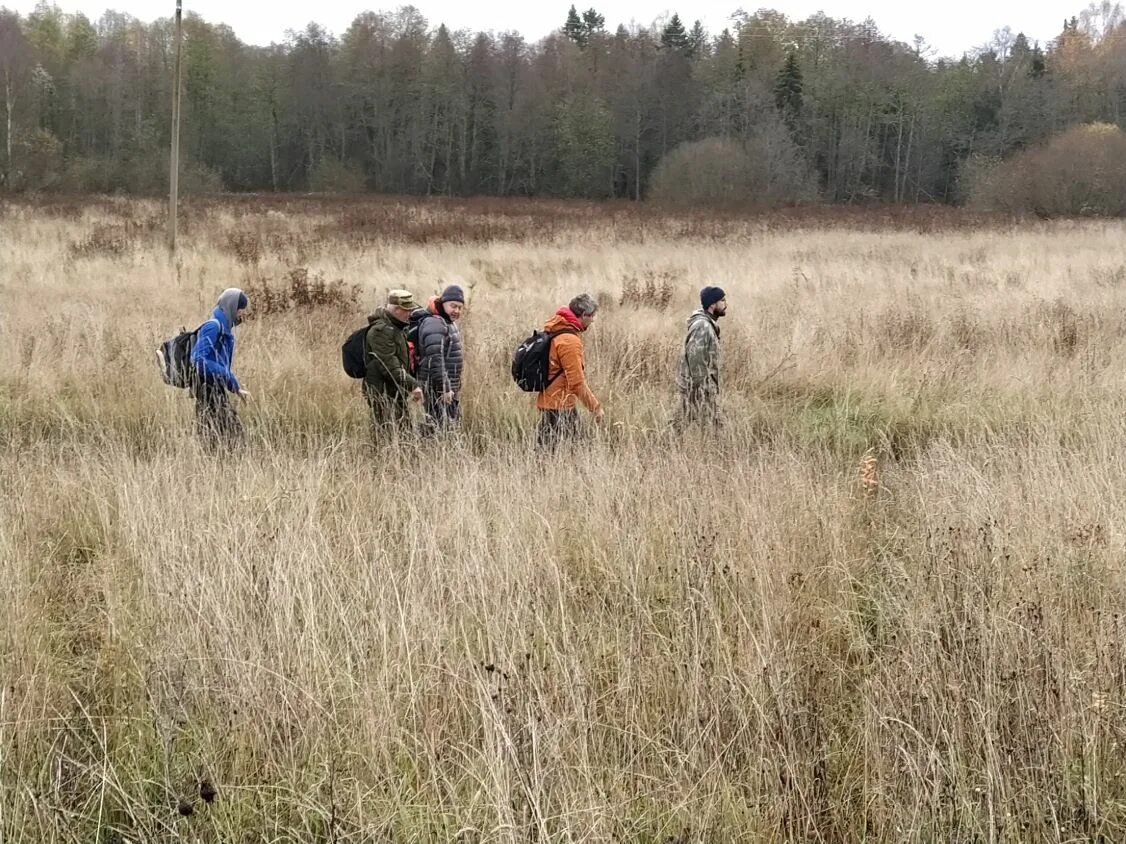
point(243, 302)
point(453, 293)
point(710, 295)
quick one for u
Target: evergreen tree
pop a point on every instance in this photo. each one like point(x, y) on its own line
point(574, 28)
point(593, 23)
point(697, 41)
point(1021, 49)
point(788, 89)
point(1038, 66)
point(584, 139)
point(675, 37)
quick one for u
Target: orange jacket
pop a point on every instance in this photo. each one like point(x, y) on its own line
point(566, 361)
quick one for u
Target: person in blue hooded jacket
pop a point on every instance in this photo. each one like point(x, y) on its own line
point(212, 357)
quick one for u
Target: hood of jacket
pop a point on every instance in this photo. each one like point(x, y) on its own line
point(701, 314)
point(564, 319)
point(434, 308)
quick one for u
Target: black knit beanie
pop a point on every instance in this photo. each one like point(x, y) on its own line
point(710, 295)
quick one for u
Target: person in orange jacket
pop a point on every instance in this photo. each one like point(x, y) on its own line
point(566, 372)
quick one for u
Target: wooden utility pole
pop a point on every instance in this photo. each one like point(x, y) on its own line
point(174, 178)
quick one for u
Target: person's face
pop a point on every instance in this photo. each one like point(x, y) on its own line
point(719, 309)
point(587, 320)
point(401, 314)
point(240, 314)
point(453, 309)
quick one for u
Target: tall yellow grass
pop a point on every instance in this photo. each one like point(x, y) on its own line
point(885, 603)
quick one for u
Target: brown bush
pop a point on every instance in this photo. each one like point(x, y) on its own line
point(103, 241)
point(115, 240)
point(245, 246)
point(302, 291)
point(1081, 172)
point(654, 291)
point(764, 171)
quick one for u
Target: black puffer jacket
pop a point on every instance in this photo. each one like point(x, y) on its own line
point(439, 350)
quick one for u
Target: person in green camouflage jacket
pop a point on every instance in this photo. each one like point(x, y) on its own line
point(388, 384)
point(698, 377)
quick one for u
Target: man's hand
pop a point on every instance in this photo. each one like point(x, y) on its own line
point(416, 395)
point(448, 398)
point(244, 395)
point(600, 415)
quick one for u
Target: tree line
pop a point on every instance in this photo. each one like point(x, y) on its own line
point(398, 105)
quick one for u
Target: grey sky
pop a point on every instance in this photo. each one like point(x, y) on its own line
point(950, 26)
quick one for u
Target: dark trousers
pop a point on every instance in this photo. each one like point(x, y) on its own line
point(390, 416)
point(697, 407)
point(440, 417)
point(217, 421)
point(557, 426)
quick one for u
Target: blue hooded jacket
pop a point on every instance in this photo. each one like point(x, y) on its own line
point(214, 349)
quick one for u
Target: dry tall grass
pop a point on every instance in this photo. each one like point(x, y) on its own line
point(886, 604)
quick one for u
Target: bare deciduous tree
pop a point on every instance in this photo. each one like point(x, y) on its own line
point(16, 63)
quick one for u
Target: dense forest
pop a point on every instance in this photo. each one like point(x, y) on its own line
point(401, 105)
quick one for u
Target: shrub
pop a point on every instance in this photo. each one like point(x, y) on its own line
point(331, 176)
point(38, 157)
point(142, 174)
point(1081, 172)
point(246, 246)
point(655, 292)
point(766, 170)
point(302, 291)
point(117, 240)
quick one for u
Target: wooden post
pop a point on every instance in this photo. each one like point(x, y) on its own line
point(174, 177)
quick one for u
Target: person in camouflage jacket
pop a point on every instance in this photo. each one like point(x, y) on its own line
point(388, 384)
point(698, 376)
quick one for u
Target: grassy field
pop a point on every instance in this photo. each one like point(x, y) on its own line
point(887, 603)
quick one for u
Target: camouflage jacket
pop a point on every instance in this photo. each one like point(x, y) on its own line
point(388, 358)
point(699, 365)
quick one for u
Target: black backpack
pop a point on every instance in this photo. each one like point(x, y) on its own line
point(352, 353)
point(413, 329)
point(531, 360)
point(175, 357)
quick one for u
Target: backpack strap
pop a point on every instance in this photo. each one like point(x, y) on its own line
point(198, 370)
point(212, 319)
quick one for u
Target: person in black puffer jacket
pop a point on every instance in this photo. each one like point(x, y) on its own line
point(440, 358)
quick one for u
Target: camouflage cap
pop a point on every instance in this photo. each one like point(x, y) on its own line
point(401, 299)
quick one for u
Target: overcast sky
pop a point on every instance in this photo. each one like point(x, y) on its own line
point(950, 26)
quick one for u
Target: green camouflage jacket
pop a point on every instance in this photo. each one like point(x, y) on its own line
point(699, 365)
point(387, 358)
